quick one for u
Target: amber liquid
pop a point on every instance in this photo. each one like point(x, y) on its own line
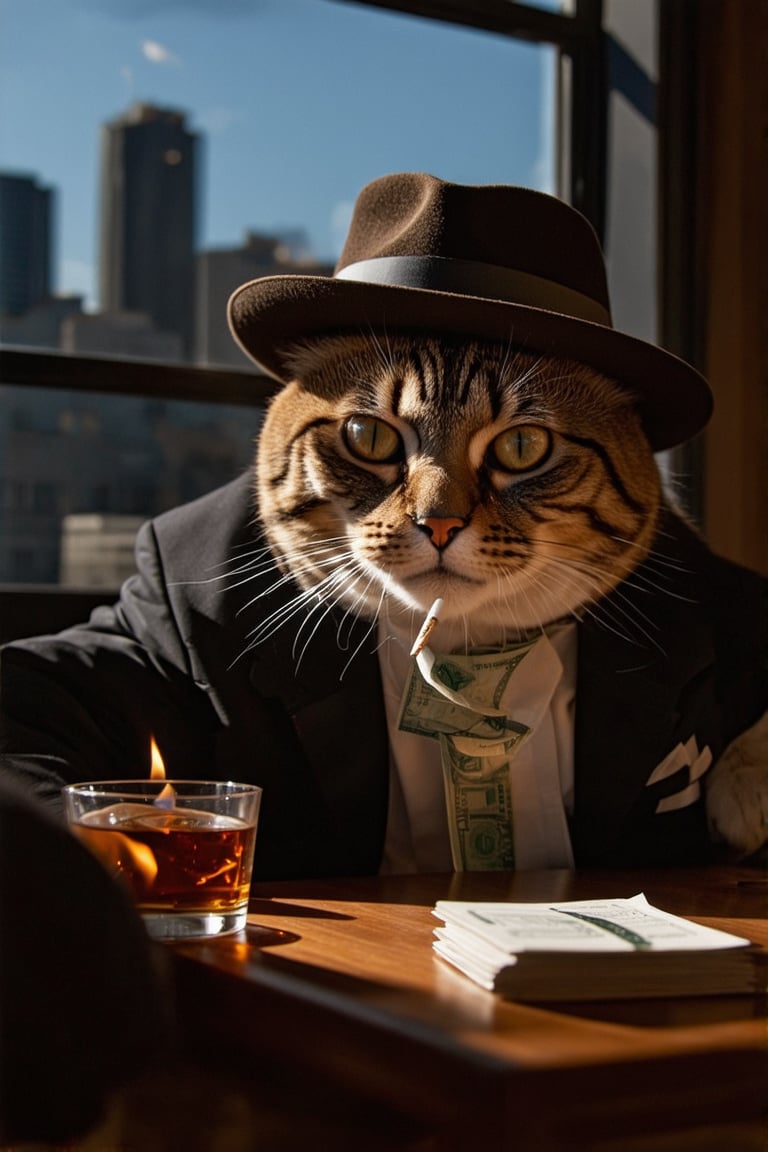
point(175, 862)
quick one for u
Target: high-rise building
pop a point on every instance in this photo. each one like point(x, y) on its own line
point(221, 270)
point(148, 218)
point(118, 334)
point(25, 243)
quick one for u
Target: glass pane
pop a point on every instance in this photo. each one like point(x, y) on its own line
point(80, 471)
point(564, 7)
point(631, 220)
point(154, 155)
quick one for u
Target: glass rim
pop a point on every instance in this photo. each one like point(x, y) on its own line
point(147, 786)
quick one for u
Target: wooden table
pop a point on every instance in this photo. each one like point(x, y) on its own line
point(334, 993)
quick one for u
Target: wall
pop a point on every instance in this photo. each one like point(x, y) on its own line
point(733, 240)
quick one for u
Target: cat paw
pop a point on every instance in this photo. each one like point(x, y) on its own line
point(737, 792)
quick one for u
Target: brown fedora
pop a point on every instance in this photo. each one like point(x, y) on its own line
point(492, 262)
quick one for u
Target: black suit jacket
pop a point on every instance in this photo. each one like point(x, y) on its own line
point(172, 659)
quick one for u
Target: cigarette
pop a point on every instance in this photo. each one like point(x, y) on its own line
point(427, 627)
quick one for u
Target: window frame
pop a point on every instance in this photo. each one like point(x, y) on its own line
point(577, 35)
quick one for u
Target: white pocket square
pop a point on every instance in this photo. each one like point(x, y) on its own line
point(682, 756)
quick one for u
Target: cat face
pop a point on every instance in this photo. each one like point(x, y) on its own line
point(516, 487)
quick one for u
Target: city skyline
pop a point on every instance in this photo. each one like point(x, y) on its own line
point(299, 102)
point(161, 297)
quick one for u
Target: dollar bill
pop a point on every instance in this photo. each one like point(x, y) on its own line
point(460, 696)
point(479, 809)
point(478, 680)
point(456, 700)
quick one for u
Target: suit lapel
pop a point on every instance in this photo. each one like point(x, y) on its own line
point(336, 707)
point(640, 694)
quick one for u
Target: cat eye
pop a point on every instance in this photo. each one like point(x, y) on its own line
point(521, 448)
point(372, 439)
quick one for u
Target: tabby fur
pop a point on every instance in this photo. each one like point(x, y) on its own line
point(532, 546)
point(440, 507)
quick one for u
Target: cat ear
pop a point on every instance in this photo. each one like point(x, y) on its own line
point(737, 792)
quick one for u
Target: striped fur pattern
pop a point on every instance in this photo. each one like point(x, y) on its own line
point(518, 488)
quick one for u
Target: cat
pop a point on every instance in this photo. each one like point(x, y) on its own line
point(517, 487)
point(460, 433)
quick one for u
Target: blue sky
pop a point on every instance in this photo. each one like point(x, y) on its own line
point(299, 103)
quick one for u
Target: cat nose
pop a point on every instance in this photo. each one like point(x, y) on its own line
point(440, 529)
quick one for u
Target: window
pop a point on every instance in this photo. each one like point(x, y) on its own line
point(191, 147)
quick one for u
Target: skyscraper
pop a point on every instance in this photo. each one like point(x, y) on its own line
point(148, 218)
point(221, 270)
point(25, 243)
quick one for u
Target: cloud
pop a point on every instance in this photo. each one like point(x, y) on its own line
point(157, 53)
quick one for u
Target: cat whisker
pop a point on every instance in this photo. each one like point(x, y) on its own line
point(385, 356)
point(586, 582)
point(353, 612)
point(642, 582)
point(646, 578)
point(660, 557)
point(289, 577)
point(313, 549)
point(284, 578)
point(599, 612)
point(258, 556)
point(261, 561)
point(589, 602)
point(330, 605)
point(303, 602)
point(639, 578)
point(247, 548)
point(609, 612)
point(512, 365)
point(599, 572)
point(531, 612)
point(307, 602)
point(342, 580)
point(327, 607)
point(621, 616)
point(304, 598)
point(622, 606)
point(368, 631)
point(579, 548)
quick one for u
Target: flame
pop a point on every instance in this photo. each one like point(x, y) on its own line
point(129, 857)
point(166, 798)
point(157, 770)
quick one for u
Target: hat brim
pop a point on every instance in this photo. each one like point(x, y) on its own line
point(269, 315)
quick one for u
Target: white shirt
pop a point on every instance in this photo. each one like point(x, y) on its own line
point(541, 773)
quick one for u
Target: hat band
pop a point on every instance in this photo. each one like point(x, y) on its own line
point(471, 278)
